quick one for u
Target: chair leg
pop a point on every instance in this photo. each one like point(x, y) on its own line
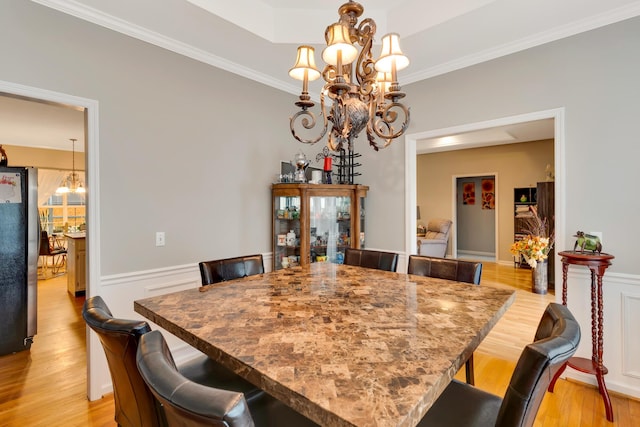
point(469, 370)
point(42, 260)
point(59, 263)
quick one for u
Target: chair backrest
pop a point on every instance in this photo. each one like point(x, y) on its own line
point(221, 270)
point(387, 261)
point(438, 229)
point(445, 268)
point(184, 401)
point(44, 243)
point(135, 405)
point(46, 247)
point(556, 340)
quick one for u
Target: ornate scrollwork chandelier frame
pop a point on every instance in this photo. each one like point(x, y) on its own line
point(364, 95)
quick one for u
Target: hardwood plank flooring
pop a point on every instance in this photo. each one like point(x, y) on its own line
point(46, 386)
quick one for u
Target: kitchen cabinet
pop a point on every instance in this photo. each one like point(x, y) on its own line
point(316, 222)
point(76, 263)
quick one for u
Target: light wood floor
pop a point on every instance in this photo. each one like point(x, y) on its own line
point(46, 386)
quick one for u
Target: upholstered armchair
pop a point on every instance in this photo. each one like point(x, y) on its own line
point(435, 241)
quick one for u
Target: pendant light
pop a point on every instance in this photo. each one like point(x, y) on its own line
point(72, 183)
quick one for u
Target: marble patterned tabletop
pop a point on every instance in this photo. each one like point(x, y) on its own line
point(345, 346)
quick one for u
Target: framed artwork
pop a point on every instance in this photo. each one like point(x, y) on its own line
point(468, 193)
point(488, 193)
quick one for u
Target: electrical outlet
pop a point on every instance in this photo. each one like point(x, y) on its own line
point(159, 238)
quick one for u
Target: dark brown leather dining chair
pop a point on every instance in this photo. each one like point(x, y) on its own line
point(387, 261)
point(186, 403)
point(556, 340)
point(450, 269)
point(445, 268)
point(220, 270)
point(135, 405)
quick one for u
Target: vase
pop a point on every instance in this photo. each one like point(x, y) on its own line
point(540, 278)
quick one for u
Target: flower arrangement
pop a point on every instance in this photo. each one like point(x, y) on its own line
point(535, 247)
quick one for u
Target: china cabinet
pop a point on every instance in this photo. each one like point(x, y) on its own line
point(316, 222)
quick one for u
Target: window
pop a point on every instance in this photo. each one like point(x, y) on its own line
point(63, 212)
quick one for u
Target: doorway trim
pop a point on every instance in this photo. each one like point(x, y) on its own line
point(558, 114)
point(93, 197)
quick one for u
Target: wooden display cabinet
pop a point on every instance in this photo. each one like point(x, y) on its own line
point(316, 222)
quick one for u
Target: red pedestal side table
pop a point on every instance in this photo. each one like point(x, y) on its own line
point(597, 263)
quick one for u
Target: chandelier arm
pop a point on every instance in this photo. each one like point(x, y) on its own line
point(381, 123)
point(365, 71)
point(308, 120)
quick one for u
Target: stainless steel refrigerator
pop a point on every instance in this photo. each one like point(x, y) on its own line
point(19, 244)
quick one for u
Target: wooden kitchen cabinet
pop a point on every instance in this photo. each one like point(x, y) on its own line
point(76, 263)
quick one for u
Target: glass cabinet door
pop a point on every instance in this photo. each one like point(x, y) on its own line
point(329, 228)
point(286, 231)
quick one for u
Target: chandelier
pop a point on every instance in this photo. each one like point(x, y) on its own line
point(72, 183)
point(364, 92)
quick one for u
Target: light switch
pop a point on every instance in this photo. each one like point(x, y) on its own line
point(159, 238)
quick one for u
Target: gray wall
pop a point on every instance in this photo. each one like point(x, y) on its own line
point(185, 148)
point(594, 77)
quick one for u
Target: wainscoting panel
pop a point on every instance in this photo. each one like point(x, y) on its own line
point(630, 335)
point(621, 317)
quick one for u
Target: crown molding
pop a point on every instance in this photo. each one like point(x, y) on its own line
point(89, 14)
point(591, 23)
point(79, 10)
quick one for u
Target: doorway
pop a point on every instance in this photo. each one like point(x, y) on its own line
point(90, 125)
point(411, 144)
point(474, 218)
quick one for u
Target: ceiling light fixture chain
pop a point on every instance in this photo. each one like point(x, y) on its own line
point(364, 95)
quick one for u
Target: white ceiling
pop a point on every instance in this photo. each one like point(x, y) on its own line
point(40, 125)
point(536, 130)
point(438, 36)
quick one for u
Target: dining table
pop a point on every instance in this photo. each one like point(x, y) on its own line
point(342, 345)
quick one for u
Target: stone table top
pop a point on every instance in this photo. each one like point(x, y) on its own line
point(343, 345)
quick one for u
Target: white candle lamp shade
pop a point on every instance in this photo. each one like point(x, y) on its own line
point(305, 62)
point(339, 47)
point(391, 55)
